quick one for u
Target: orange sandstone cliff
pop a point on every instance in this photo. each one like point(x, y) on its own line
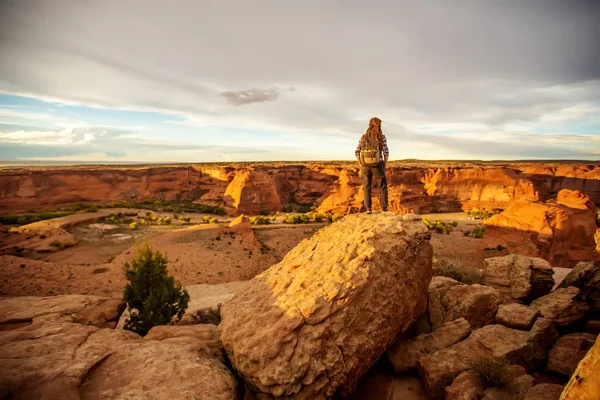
point(335, 187)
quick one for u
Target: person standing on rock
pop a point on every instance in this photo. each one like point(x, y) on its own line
point(372, 154)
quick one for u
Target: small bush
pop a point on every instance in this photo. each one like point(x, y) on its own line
point(134, 225)
point(210, 220)
point(480, 214)
point(479, 231)
point(296, 219)
point(61, 245)
point(492, 371)
point(259, 220)
point(186, 219)
point(438, 225)
point(152, 296)
point(218, 237)
point(458, 271)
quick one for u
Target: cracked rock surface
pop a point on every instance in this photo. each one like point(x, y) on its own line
point(313, 324)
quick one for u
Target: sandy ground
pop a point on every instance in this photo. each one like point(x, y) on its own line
point(198, 253)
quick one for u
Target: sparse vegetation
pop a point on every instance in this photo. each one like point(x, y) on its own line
point(317, 216)
point(482, 214)
point(210, 220)
point(479, 231)
point(455, 269)
point(153, 297)
point(296, 219)
point(492, 371)
point(35, 216)
point(439, 226)
point(61, 245)
point(134, 225)
point(259, 220)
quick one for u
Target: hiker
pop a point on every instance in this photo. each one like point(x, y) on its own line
point(372, 154)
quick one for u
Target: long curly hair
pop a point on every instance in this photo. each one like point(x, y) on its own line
point(373, 138)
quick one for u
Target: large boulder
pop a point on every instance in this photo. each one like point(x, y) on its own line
point(560, 231)
point(55, 359)
point(527, 349)
point(585, 381)
point(586, 277)
point(450, 300)
point(568, 351)
point(103, 312)
point(518, 277)
point(313, 324)
point(405, 354)
point(562, 306)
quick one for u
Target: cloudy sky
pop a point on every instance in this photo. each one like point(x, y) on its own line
point(196, 81)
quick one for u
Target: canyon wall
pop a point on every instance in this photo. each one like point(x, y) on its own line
point(251, 188)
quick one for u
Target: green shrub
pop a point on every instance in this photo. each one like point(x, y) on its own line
point(152, 296)
point(210, 220)
point(186, 219)
point(337, 217)
point(481, 214)
point(479, 231)
point(259, 220)
point(296, 219)
point(134, 225)
point(438, 225)
point(458, 271)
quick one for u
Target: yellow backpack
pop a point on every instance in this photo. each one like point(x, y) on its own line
point(371, 157)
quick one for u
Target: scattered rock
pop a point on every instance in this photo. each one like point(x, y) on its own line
point(516, 316)
point(449, 301)
point(380, 385)
point(562, 306)
point(527, 349)
point(516, 389)
point(568, 351)
point(544, 391)
point(313, 324)
point(586, 277)
point(466, 386)
point(405, 354)
point(518, 277)
point(585, 381)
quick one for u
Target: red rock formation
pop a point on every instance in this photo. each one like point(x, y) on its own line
point(560, 231)
point(250, 188)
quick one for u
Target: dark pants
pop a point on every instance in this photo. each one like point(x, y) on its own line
point(368, 173)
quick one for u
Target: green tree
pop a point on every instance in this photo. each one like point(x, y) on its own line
point(153, 297)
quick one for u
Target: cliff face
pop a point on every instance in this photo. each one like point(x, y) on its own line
point(336, 188)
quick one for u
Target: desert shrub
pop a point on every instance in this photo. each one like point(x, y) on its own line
point(492, 371)
point(259, 220)
point(186, 219)
point(438, 226)
point(479, 231)
point(175, 216)
point(337, 217)
point(480, 214)
point(317, 216)
point(134, 225)
point(296, 219)
point(210, 220)
point(457, 270)
point(153, 297)
point(148, 214)
point(500, 247)
point(164, 221)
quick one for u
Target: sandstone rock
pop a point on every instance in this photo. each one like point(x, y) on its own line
point(51, 360)
point(585, 381)
point(466, 386)
point(405, 354)
point(562, 306)
point(313, 324)
point(516, 316)
point(528, 349)
point(561, 231)
point(544, 391)
point(568, 351)
point(380, 385)
point(102, 312)
point(516, 389)
point(586, 277)
point(518, 277)
point(450, 300)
